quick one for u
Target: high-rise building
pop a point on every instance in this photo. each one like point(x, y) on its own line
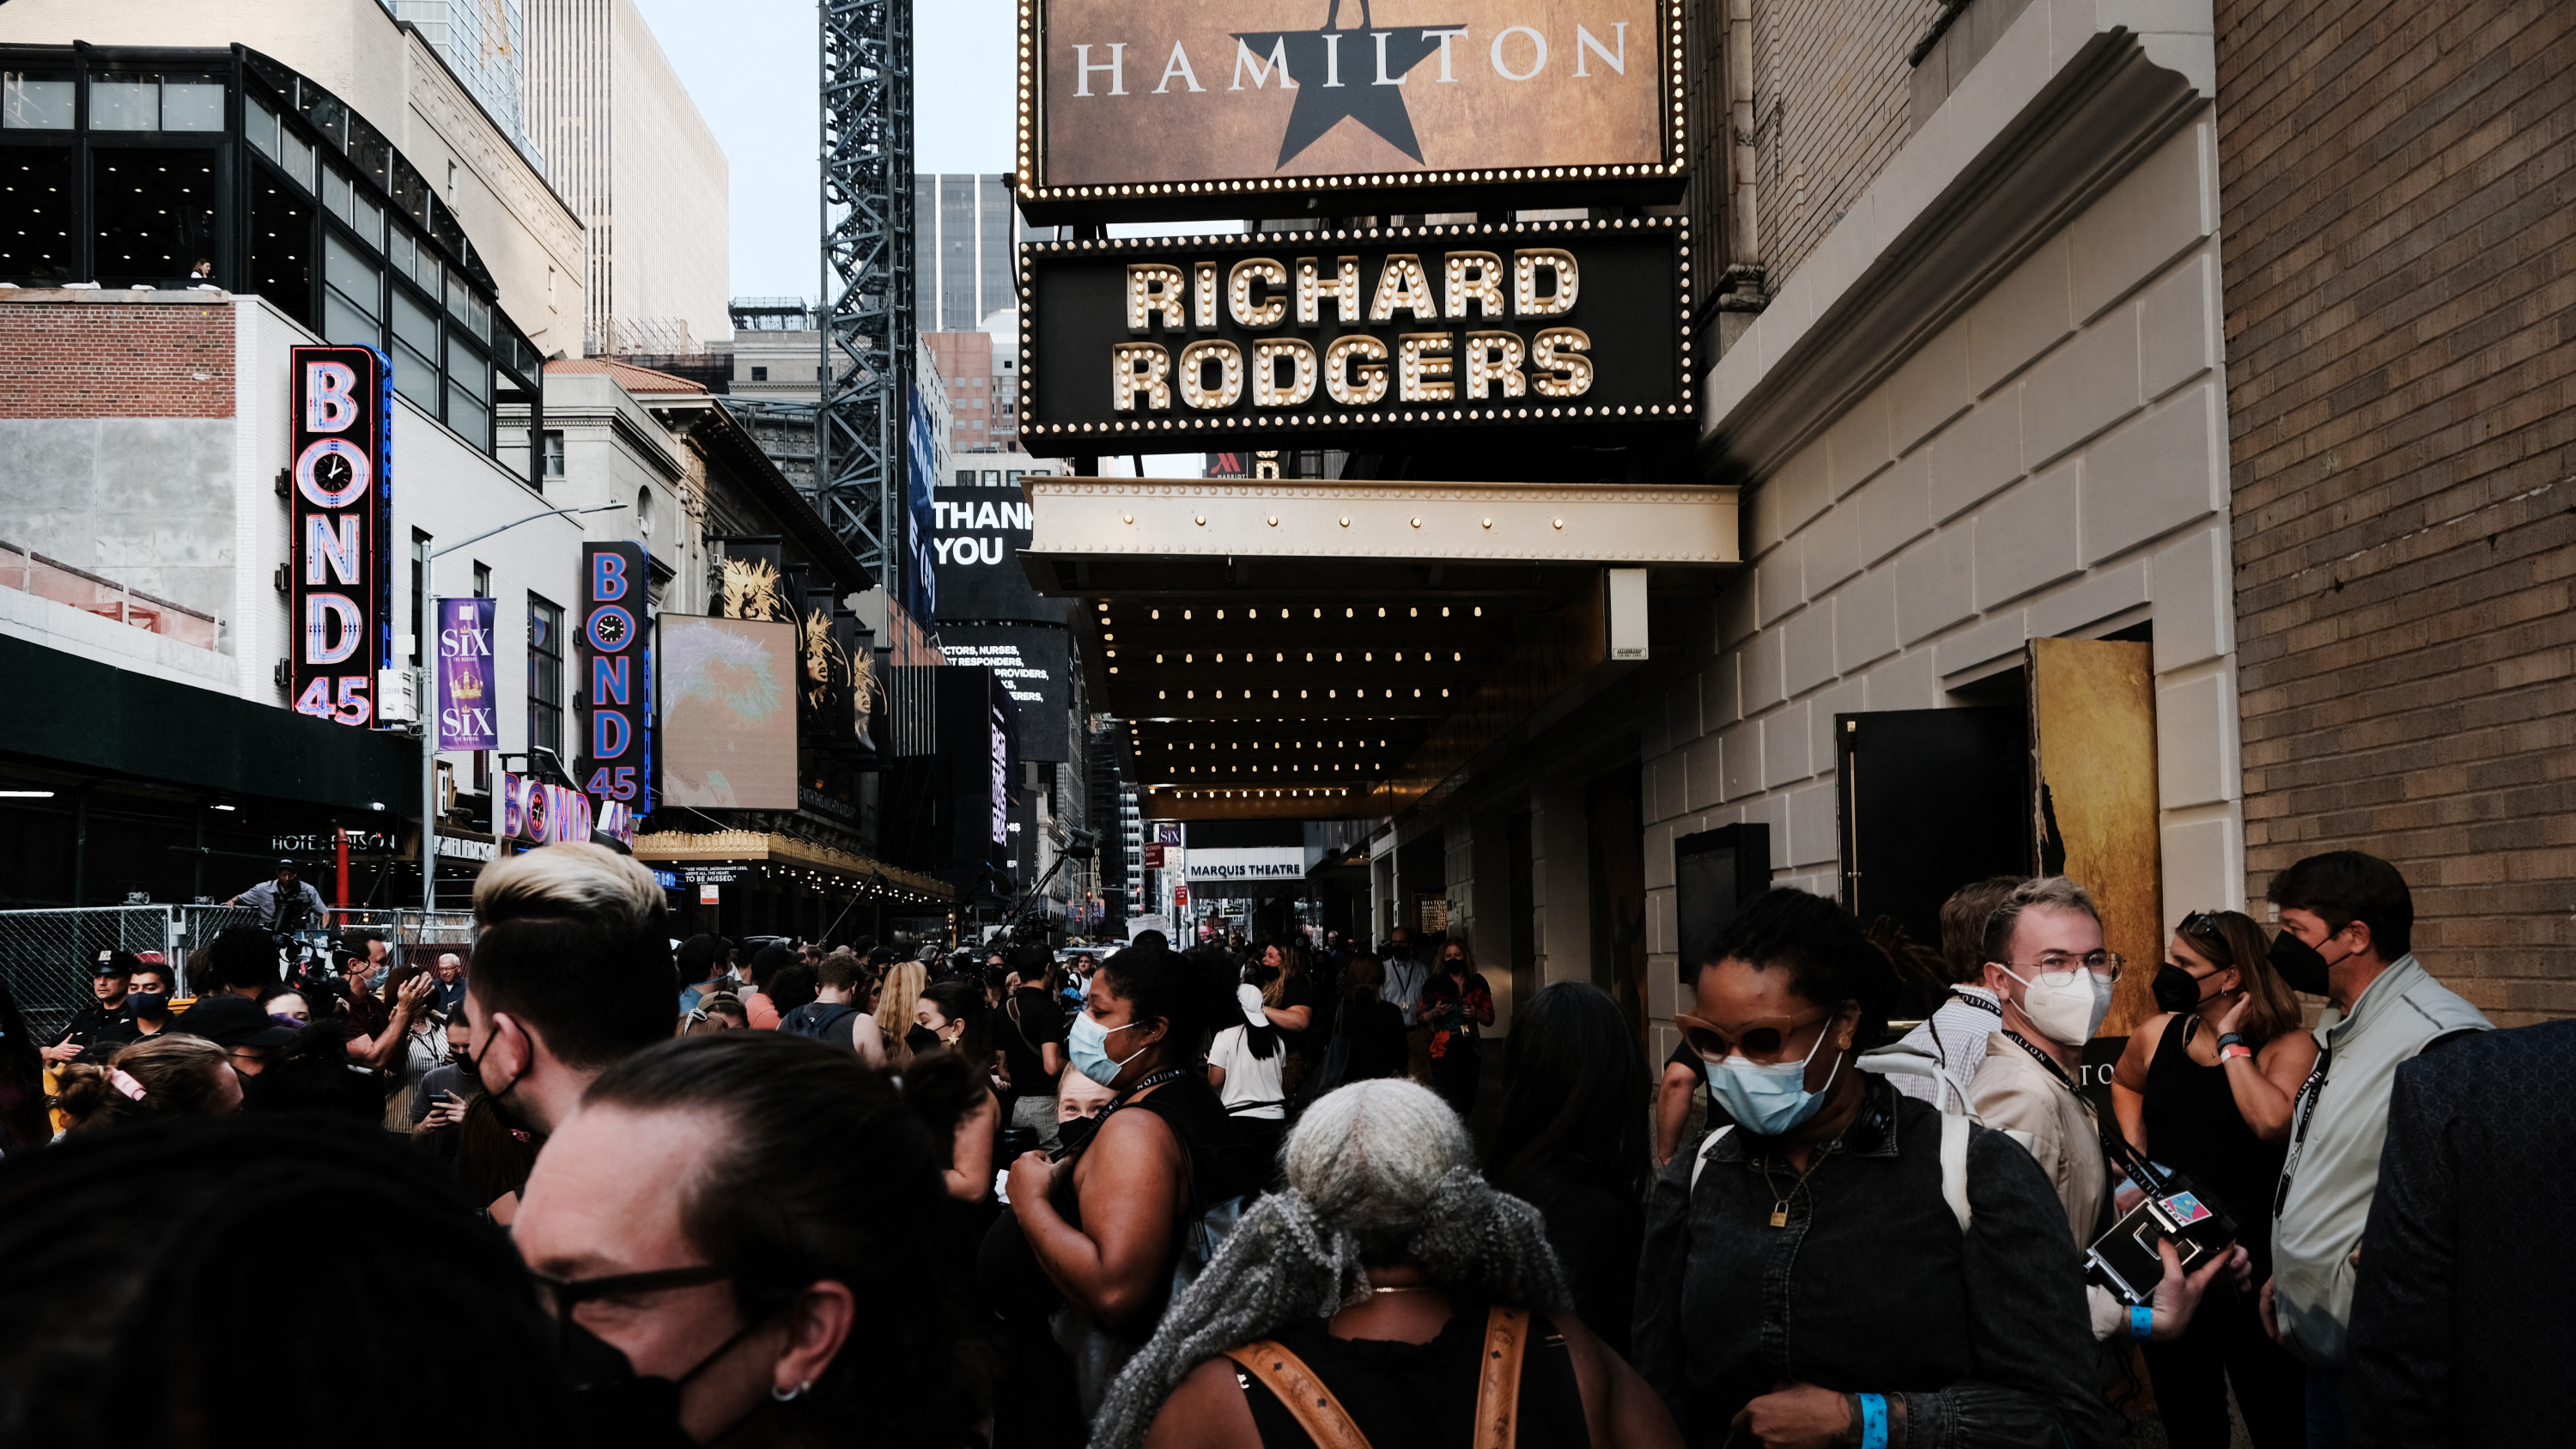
point(485, 42)
point(966, 265)
point(625, 145)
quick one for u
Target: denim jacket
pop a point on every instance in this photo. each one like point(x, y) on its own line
point(1871, 1287)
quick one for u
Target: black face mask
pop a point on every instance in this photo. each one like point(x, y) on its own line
point(2300, 964)
point(2177, 989)
point(613, 1404)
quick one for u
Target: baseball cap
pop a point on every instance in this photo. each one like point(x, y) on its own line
point(117, 963)
point(232, 1021)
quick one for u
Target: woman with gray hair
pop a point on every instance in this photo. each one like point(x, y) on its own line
point(1387, 1290)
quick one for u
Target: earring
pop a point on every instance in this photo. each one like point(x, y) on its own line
point(792, 1394)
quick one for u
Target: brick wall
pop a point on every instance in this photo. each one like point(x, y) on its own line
point(115, 360)
point(2400, 265)
point(1831, 85)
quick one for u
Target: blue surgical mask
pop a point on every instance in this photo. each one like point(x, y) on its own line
point(1088, 1042)
point(1769, 1100)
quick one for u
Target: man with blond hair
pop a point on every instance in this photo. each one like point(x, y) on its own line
point(572, 973)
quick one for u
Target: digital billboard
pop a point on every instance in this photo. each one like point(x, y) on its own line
point(1180, 109)
point(1572, 327)
point(728, 696)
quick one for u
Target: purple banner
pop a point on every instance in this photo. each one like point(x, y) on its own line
point(467, 714)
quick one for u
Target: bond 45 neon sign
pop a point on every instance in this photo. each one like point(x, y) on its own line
point(340, 504)
point(617, 677)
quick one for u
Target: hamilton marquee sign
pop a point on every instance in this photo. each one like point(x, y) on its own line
point(1577, 326)
point(340, 505)
point(1184, 104)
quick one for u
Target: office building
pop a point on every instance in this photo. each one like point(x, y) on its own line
point(966, 258)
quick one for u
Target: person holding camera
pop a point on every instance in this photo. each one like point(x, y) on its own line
point(286, 902)
point(2206, 1089)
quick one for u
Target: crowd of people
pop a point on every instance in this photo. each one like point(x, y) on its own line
point(619, 1188)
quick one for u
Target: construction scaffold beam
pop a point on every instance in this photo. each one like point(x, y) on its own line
point(867, 321)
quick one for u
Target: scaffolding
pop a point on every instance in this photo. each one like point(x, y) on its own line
point(867, 310)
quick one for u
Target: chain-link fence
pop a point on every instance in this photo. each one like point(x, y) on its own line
point(49, 957)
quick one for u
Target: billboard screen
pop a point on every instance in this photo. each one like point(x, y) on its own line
point(340, 582)
point(982, 523)
point(1166, 104)
point(1573, 327)
point(728, 702)
point(1034, 663)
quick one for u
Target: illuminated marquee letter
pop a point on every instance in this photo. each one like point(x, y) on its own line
point(1401, 285)
point(1494, 358)
point(607, 577)
point(1421, 359)
point(1195, 360)
point(1203, 290)
point(1584, 40)
point(1179, 65)
point(1360, 355)
point(333, 628)
point(1266, 357)
point(1558, 367)
point(1084, 69)
point(333, 472)
point(1244, 60)
point(330, 397)
point(1238, 293)
point(1136, 367)
point(1344, 289)
point(331, 542)
point(1475, 277)
point(1526, 265)
point(1154, 288)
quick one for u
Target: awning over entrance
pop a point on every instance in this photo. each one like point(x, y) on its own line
point(1312, 650)
point(828, 868)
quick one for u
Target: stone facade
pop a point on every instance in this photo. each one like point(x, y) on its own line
point(2400, 272)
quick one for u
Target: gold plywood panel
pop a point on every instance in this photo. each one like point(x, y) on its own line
point(2093, 758)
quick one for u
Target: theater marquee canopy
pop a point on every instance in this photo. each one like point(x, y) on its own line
point(1312, 650)
point(1401, 105)
point(1575, 329)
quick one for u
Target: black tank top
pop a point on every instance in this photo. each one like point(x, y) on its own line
point(1423, 1395)
point(2193, 1125)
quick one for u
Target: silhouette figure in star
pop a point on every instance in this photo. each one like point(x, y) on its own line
point(1337, 74)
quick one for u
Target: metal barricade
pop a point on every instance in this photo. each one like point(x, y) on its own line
point(49, 958)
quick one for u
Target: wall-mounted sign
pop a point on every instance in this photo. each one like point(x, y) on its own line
point(1245, 862)
point(978, 532)
point(1174, 344)
point(1167, 832)
point(468, 718)
point(1180, 109)
point(537, 813)
point(616, 761)
point(340, 506)
point(1034, 664)
point(361, 842)
point(711, 874)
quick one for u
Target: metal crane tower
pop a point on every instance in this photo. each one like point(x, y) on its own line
point(867, 321)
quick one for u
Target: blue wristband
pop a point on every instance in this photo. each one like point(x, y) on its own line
point(2142, 1322)
point(1873, 1421)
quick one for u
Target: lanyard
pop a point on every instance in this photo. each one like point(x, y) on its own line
point(2115, 1145)
point(2309, 1090)
point(1988, 1007)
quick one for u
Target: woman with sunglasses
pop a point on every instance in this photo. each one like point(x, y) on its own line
point(1807, 1280)
point(2206, 1088)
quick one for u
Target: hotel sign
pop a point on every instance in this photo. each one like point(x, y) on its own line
point(1182, 343)
point(340, 492)
point(1126, 108)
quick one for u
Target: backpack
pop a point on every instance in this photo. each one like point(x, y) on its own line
point(1885, 1061)
point(815, 1018)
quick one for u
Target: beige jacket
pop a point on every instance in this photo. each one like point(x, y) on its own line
point(2014, 1094)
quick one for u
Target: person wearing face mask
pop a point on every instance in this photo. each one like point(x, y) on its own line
point(1080, 1267)
point(2346, 925)
point(148, 996)
point(1909, 1271)
point(2205, 1088)
point(2052, 978)
point(107, 1021)
point(959, 1023)
point(733, 1234)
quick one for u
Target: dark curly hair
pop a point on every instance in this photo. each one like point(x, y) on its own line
point(1193, 995)
point(1828, 958)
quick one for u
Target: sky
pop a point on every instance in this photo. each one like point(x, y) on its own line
point(751, 67)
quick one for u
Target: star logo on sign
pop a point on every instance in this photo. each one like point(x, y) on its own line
point(1355, 73)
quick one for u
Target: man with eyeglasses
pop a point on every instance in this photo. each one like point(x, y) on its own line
point(2046, 965)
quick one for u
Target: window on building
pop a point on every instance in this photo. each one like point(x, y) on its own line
point(545, 677)
point(554, 454)
point(420, 620)
point(154, 213)
point(759, 374)
point(644, 513)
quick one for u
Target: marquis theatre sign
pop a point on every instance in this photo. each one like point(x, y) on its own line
point(1573, 326)
point(340, 507)
point(1179, 107)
